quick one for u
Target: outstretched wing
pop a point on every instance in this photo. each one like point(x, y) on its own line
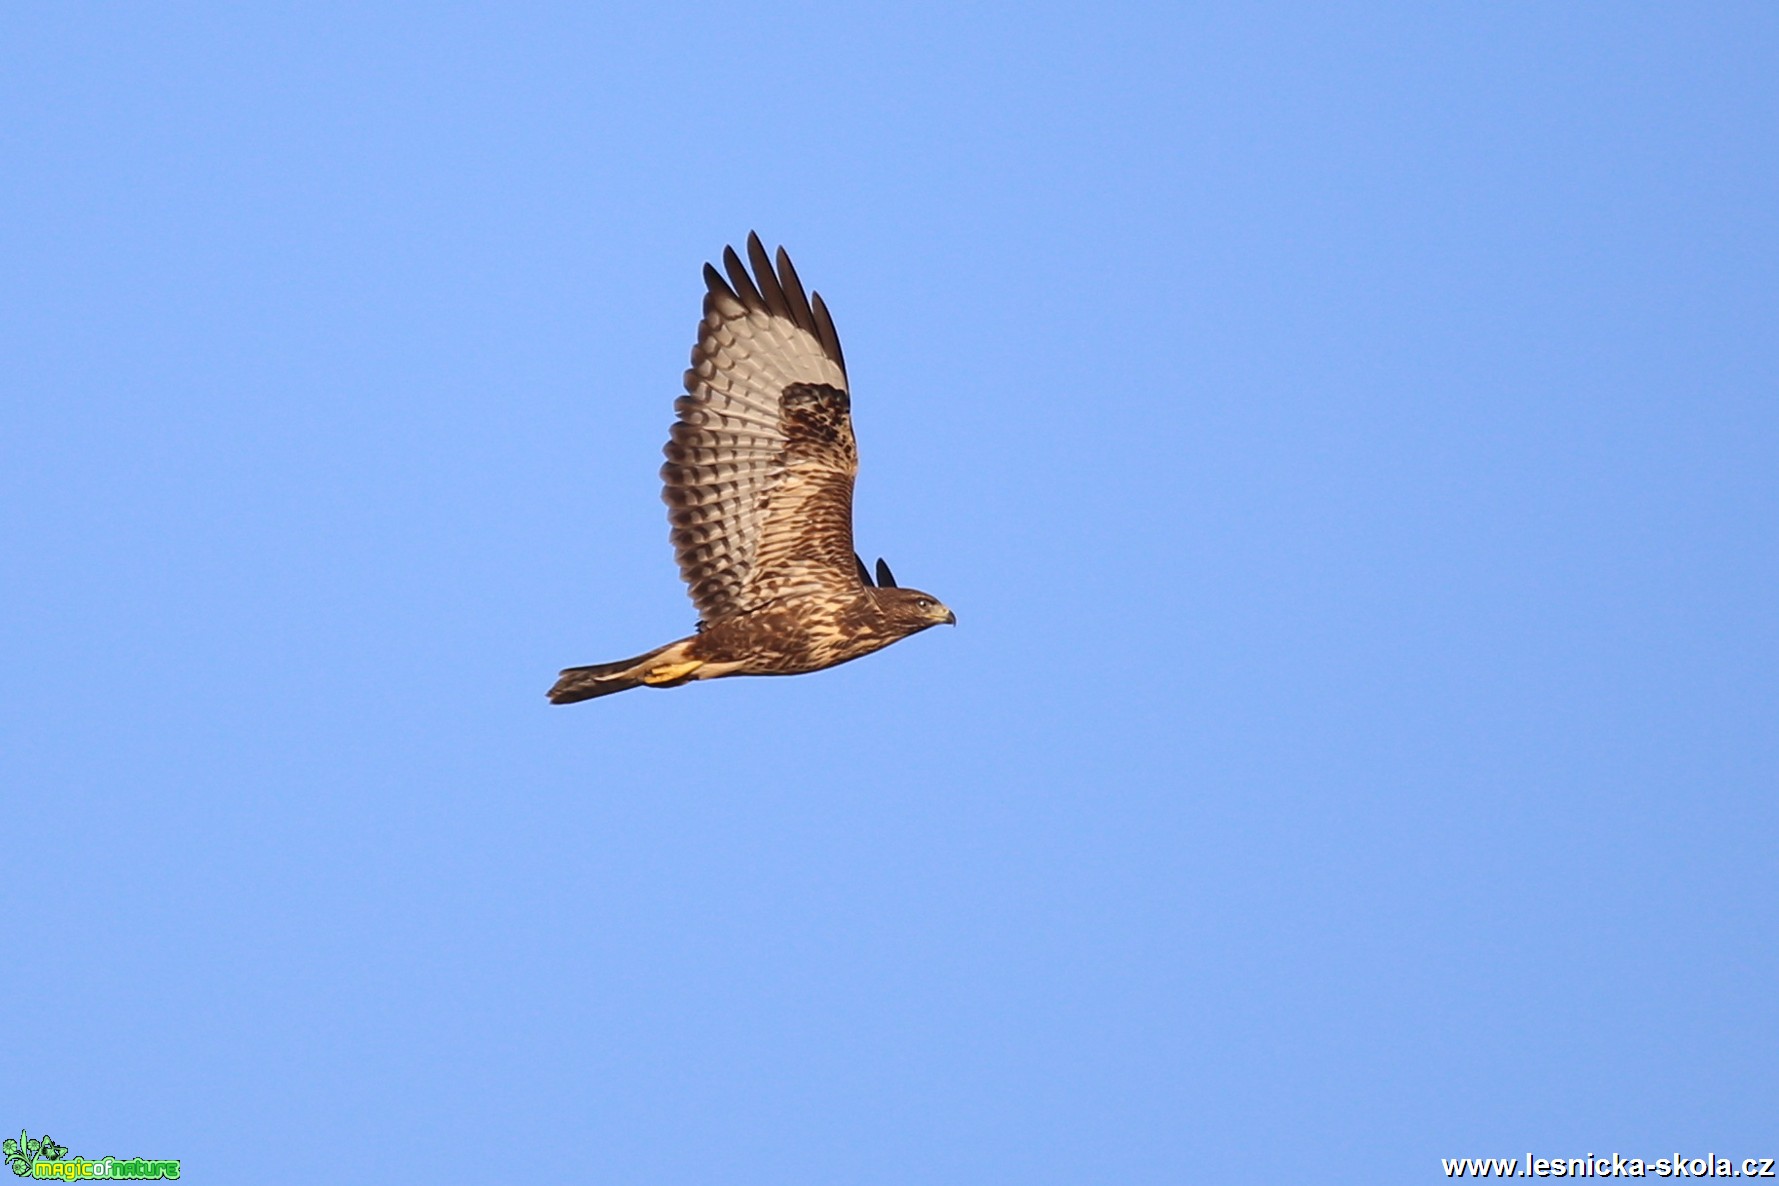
point(760, 463)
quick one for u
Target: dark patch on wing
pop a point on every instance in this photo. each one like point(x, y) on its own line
point(816, 412)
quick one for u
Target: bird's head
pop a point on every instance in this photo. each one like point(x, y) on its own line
point(912, 610)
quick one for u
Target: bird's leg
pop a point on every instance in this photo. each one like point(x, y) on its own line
point(670, 673)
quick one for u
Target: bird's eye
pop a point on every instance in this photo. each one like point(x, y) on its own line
point(925, 603)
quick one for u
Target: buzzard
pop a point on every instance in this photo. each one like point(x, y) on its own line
point(758, 485)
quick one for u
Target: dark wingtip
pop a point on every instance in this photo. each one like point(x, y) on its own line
point(864, 573)
point(742, 282)
point(885, 578)
point(793, 291)
point(713, 280)
point(824, 329)
point(769, 282)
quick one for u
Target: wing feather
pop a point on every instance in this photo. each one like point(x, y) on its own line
point(770, 288)
point(761, 460)
point(742, 283)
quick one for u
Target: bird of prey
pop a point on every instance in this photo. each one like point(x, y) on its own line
point(758, 485)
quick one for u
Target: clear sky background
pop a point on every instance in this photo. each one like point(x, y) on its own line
point(1347, 436)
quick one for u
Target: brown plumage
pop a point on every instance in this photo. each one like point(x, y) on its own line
point(758, 485)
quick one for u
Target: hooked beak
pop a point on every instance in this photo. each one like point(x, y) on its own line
point(950, 618)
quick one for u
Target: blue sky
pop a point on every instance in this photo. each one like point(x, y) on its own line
point(1347, 438)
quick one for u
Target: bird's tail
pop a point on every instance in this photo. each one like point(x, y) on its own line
point(602, 679)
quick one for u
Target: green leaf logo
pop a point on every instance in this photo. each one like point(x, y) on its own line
point(25, 1152)
point(16, 1159)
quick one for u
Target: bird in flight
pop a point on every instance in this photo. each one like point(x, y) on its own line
point(758, 486)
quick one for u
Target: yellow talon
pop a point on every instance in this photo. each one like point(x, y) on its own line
point(668, 673)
